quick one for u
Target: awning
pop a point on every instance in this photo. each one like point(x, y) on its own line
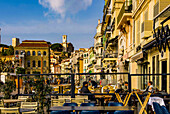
point(149, 45)
point(137, 56)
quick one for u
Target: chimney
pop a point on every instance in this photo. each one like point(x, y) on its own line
point(98, 21)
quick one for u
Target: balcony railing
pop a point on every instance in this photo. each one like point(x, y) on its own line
point(114, 55)
point(99, 55)
point(126, 8)
point(100, 44)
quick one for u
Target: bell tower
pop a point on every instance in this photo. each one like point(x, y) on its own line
point(64, 43)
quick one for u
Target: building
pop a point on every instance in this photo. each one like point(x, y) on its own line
point(98, 47)
point(85, 61)
point(15, 42)
point(34, 56)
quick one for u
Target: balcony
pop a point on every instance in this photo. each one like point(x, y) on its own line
point(98, 66)
point(125, 12)
point(114, 55)
point(100, 44)
point(99, 55)
point(107, 15)
point(158, 7)
point(146, 29)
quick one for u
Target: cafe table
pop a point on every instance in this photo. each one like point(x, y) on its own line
point(90, 108)
point(102, 97)
point(8, 101)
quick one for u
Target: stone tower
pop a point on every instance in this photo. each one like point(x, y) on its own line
point(64, 43)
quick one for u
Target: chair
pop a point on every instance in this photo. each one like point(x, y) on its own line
point(23, 97)
point(10, 110)
point(114, 104)
point(65, 97)
point(164, 110)
point(59, 112)
point(87, 104)
point(70, 104)
point(77, 100)
point(1, 103)
point(157, 108)
point(57, 102)
point(89, 112)
point(30, 105)
point(124, 112)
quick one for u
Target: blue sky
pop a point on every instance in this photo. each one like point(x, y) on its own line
point(50, 19)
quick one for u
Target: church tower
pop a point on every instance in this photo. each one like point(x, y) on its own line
point(64, 43)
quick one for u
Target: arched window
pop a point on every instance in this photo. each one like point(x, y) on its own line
point(33, 53)
point(28, 53)
point(33, 63)
point(39, 53)
point(44, 53)
point(16, 52)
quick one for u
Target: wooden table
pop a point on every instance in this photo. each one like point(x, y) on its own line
point(102, 97)
point(8, 101)
point(90, 108)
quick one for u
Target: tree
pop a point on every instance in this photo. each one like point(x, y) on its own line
point(57, 47)
point(10, 50)
point(20, 70)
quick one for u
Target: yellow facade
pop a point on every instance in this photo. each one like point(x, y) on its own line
point(37, 56)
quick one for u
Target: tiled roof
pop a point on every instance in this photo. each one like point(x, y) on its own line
point(33, 41)
point(32, 45)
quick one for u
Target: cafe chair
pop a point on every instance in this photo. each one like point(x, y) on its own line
point(89, 112)
point(59, 112)
point(87, 104)
point(157, 108)
point(114, 104)
point(29, 105)
point(77, 100)
point(10, 110)
point(164, 110)
point(23, 98)
point(70, 104)
point(57, 102)
point(124, 112)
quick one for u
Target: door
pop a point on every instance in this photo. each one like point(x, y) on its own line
point(164, 77)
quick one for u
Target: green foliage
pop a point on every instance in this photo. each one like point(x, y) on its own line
point(57, 47)
point(20, 70)
point(10, 50)
point(8, 88)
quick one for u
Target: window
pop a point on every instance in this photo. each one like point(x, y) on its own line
point(39, 63)
point(84, 55)
point(39, 53)
point(44, 53)
point(28, 63)
point(33, 53)
point(16, 52)
point(153, 70)
point(157, 71)
point(44, 63)
point(33, 64)
point(28, 53)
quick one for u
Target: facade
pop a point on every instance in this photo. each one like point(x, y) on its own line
point(91, 60)
point(34, 56)
point(85, 61)
point(98, 47)
point(15, 42)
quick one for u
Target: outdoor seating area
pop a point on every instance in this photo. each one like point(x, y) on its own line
point(74, 98)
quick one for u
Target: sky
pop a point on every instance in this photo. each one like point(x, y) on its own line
point(50, 19)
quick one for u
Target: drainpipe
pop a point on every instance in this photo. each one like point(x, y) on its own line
point(41, 64)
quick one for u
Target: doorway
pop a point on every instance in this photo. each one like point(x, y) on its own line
point(164, 77)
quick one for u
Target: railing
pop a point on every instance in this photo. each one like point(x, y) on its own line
point(124, 9)
point(99, 44)
point(114, 55)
